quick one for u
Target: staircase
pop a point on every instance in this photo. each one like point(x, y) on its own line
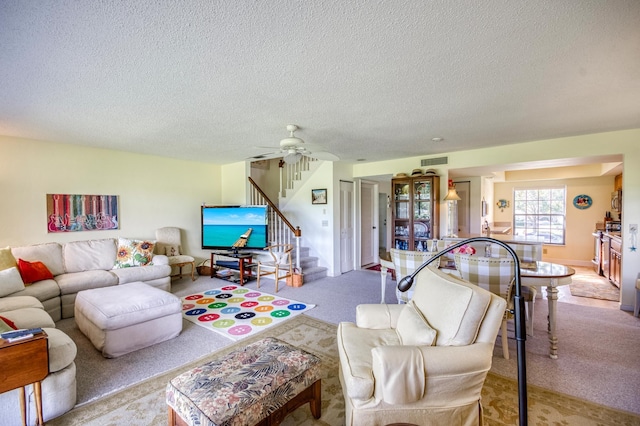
point(309, 266)
point(281, 231)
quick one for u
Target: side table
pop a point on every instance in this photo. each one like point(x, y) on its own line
point(25, 362)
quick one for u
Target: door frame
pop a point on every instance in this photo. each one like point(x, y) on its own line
point(350, 212)
point(373, 214)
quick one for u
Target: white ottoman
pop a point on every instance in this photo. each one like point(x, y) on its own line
point(124, 318)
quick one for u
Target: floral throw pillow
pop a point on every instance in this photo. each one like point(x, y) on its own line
point(133, 253)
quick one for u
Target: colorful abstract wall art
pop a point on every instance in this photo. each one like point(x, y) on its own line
point(72, 213)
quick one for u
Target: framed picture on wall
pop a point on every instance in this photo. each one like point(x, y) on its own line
point(78, 212)
point(319, 196)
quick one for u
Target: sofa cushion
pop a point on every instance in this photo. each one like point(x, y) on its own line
point(146, 273)
point(41, 290)
point(78, 281)
point(133, 253)
point(10, 281)
point(450, 305)
point(62, 350)
point(29, 317)
point(49, 253)
point(19, 302)
point(88, 255)
point(6, 258)
point(32, 272)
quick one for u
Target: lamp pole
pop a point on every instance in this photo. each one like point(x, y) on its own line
point(518, 312)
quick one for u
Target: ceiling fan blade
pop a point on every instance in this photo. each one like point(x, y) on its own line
point(323, 155)
point(265, 156)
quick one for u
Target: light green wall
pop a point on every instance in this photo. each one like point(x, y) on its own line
point(152, 191)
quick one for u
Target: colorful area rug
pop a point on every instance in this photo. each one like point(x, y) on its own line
point(586, 284)
point(237, 312)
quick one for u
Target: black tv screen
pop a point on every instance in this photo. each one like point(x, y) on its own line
point(225, 227)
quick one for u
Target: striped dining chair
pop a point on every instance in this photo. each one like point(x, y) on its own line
point(496, 275)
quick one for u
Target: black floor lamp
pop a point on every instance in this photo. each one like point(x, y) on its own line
point(519, 313)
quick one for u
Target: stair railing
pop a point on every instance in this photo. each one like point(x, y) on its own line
point(290, 173)
point(280, 230)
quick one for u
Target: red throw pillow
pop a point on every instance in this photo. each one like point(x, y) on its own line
point(33, 271)
point(8, 322)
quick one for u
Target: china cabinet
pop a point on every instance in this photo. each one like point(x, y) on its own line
point(414, 214)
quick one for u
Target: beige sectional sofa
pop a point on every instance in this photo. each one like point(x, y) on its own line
point(75, 266)
point(59, 387)
point(82, 265)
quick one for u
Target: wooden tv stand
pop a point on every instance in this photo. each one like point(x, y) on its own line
point(242, 263)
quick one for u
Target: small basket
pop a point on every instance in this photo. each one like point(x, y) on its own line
point(295, 280)
point(204, 268)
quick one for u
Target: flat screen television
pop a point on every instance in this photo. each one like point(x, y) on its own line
point(234, 227)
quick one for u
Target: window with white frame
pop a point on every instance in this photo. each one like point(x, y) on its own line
point(539, 214)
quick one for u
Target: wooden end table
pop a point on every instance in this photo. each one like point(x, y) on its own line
point(25, 362)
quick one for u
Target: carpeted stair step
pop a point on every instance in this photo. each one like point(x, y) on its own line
point(314, 273)
point(309, 266)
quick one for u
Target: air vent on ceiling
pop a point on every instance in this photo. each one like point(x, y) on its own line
point(434, 161)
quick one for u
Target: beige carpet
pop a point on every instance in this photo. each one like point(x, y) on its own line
point(586, 284)
point(144, 403)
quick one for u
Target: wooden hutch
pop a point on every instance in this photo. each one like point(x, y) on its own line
point(414, 211)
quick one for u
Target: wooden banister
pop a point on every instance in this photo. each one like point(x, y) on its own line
point(295, 230)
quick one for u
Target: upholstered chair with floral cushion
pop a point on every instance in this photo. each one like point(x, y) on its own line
point(168, 242)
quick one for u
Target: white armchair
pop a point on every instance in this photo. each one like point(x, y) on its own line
point(423, 362)
point(168, 242)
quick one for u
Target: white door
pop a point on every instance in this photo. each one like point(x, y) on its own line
point(346, 227)
point(382, 222)
point(464, 213)
point(369, 223)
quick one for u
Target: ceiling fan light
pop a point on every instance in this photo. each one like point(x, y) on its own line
point(292, 158)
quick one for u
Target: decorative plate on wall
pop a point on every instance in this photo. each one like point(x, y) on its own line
point(582, 201)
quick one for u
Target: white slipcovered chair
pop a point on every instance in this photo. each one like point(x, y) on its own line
point(279, 261)
point(497, 275)
point(168, 242)
point(423, 362)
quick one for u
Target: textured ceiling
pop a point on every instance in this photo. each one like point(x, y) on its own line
point(215, 80)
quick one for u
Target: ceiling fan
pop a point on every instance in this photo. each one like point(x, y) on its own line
point(293, 149)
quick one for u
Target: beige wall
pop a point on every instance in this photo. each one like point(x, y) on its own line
point(152, 191)
point(623, 142)
point(580, 223)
